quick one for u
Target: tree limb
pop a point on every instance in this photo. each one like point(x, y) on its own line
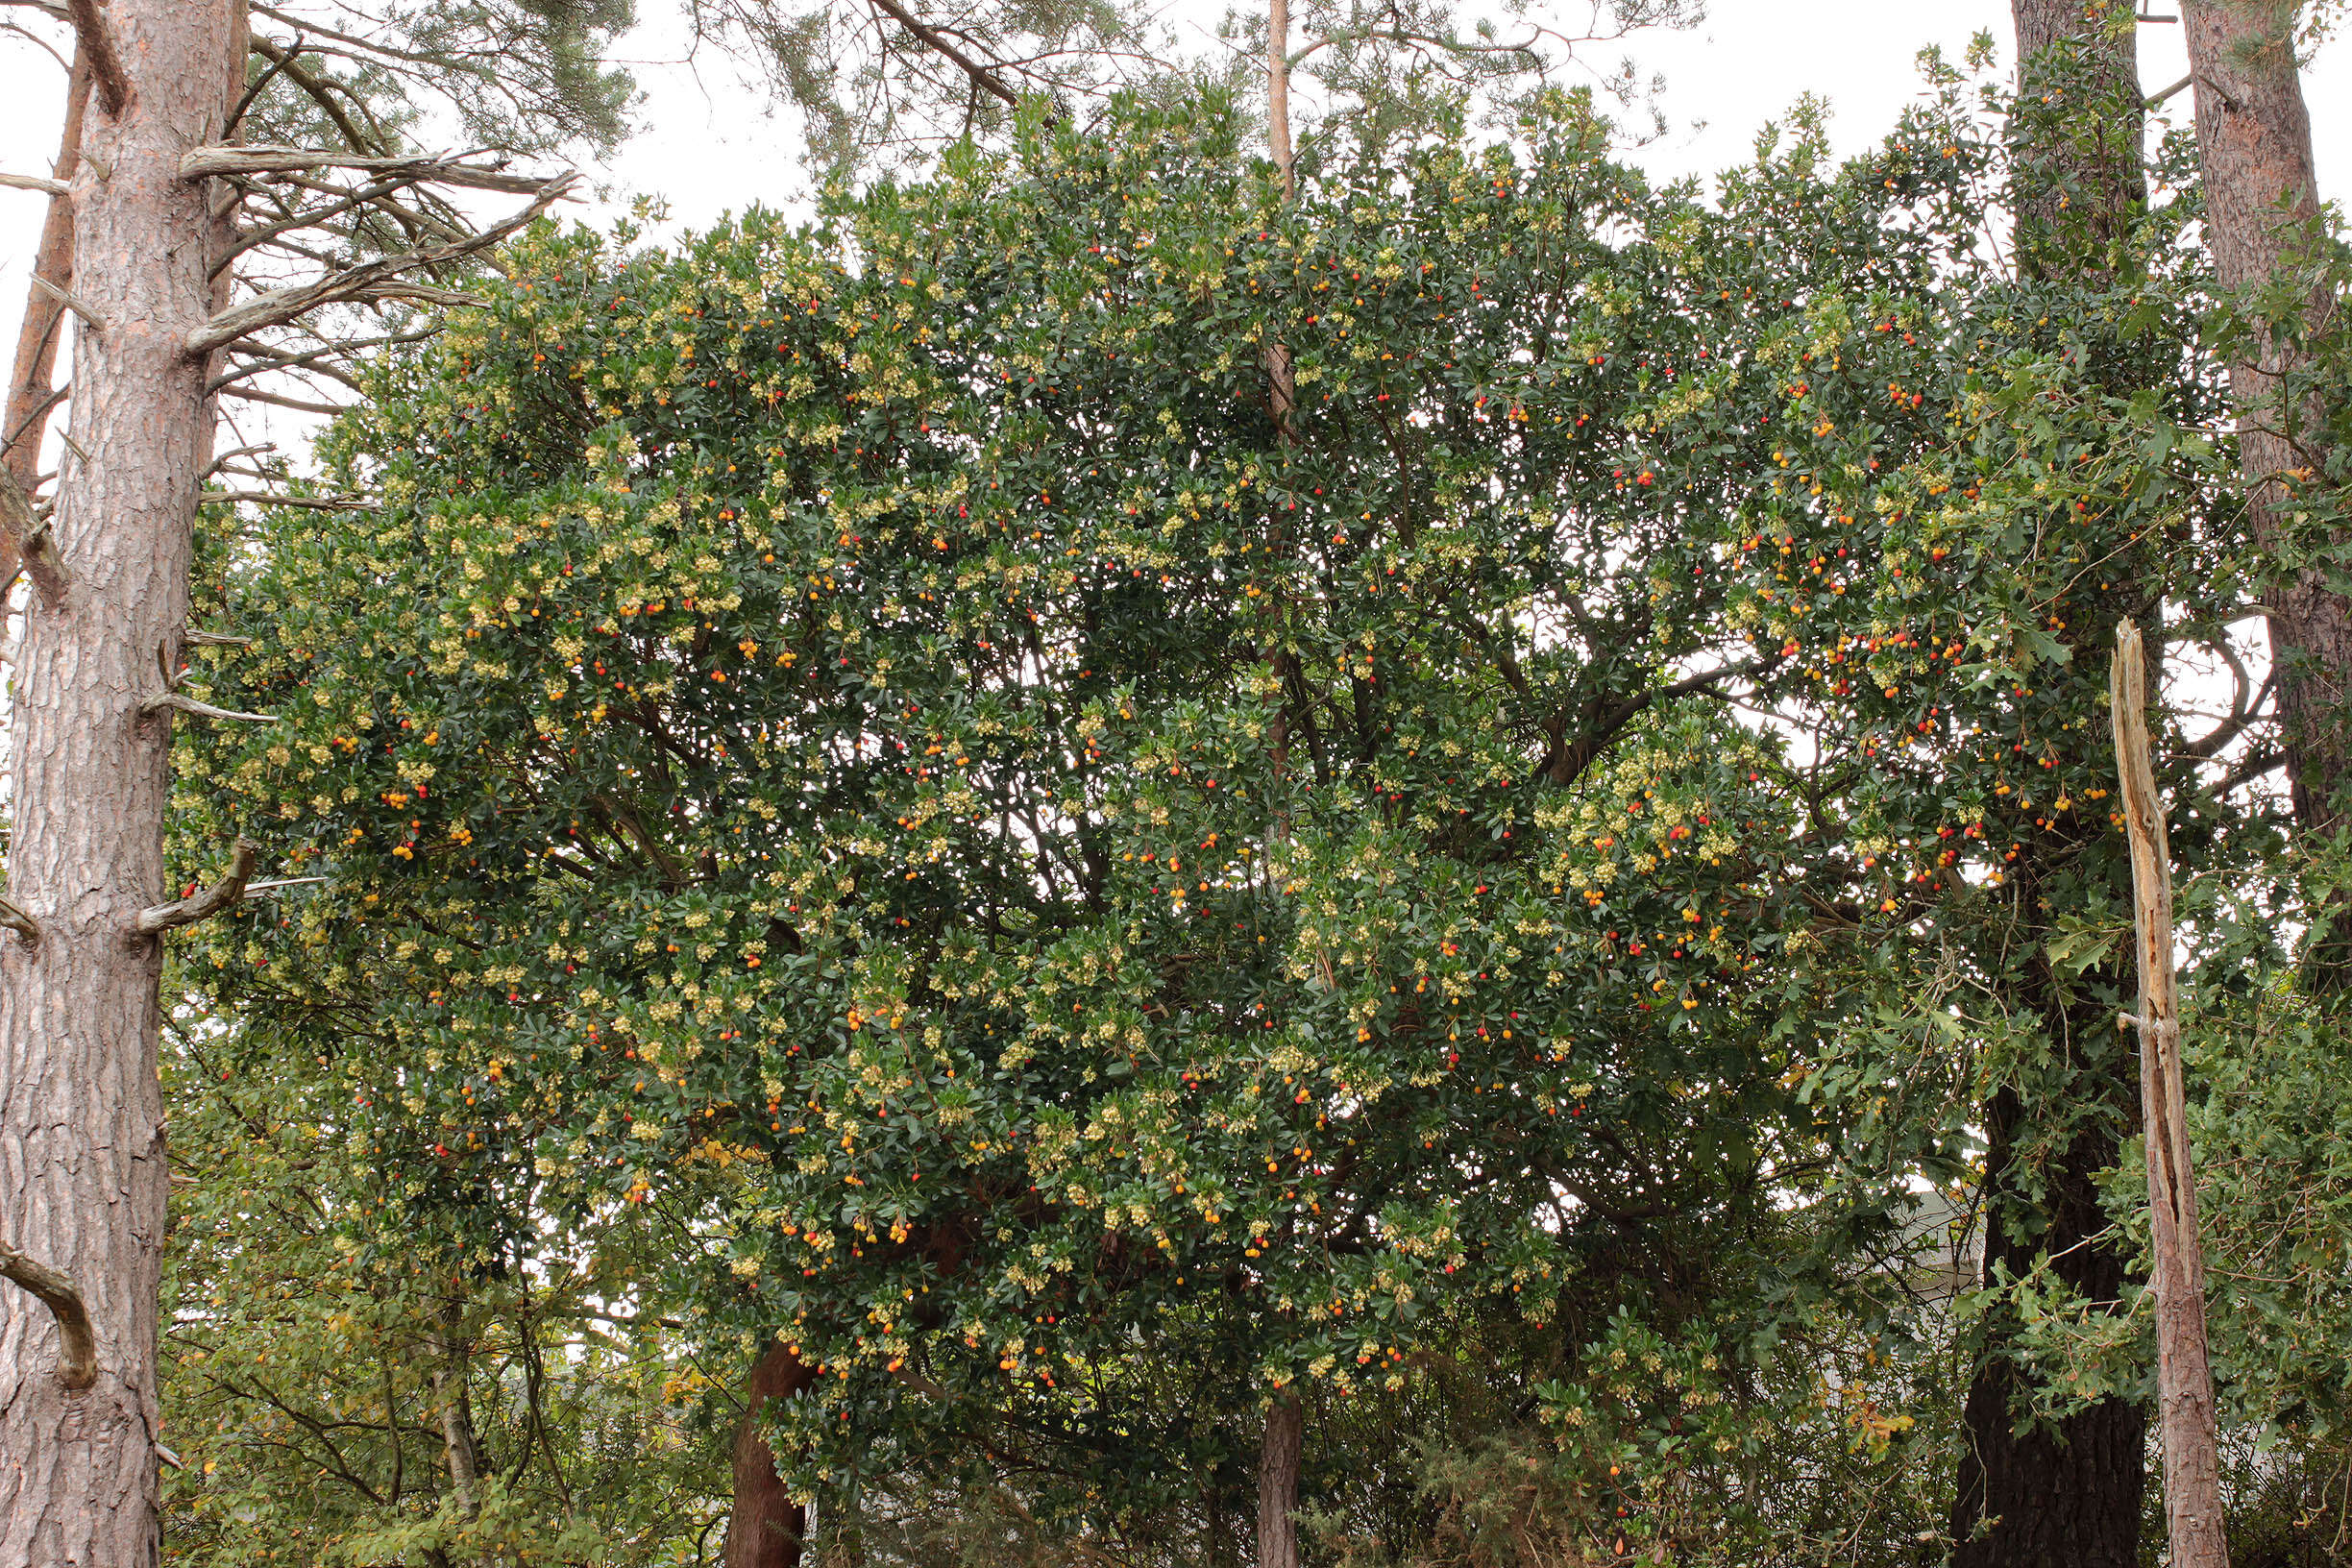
point(69, 300)
point(982, 76)
point(202, 710)
point(77, 1345)
point(281, 306)
point(210, 901)
point(97, 41)
point(270, 498)
point(31, 182)
point(207, 163)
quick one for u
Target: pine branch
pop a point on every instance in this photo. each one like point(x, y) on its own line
point(69, 300)
point(42, 561)
point(176, 702)
point(17, 920)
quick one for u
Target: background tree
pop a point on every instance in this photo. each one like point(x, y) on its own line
point(2260, 186)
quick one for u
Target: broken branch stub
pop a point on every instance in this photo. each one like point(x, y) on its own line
point(187, 911)
point(77, 1344)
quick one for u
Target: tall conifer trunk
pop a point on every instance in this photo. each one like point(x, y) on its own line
point(2061, 1494)
point(83, 1177)
point(2260, 185)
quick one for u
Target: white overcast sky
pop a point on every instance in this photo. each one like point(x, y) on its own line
point(707, 146)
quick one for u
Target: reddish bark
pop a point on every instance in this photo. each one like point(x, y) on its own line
point(1277, 1483)
point(2260, 184)
point(83, 1173)
point(767, 1527)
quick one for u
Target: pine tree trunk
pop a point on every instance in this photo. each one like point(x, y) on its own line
point(1277, 1483)
point(767, 1527)
point(83, 1177)
point(2061, 1494)
point(2260, 184)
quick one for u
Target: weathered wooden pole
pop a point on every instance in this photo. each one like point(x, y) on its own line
point(2184, 1376)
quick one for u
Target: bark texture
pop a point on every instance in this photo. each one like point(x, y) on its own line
point(2254, 154)
point(767, 1527)
point(1277, 1483)
point(83, 1178)
point(44, 320)
point(2063, 1494)
point(2184, 1373)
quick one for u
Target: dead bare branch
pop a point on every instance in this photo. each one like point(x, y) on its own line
point(69, 300)
point(180, 703)
point(18, 922)
point(42, 561)
point(31, 182)
point(369, 280)
point(207, 163)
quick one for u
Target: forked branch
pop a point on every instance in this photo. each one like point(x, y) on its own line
point(210, 901)
point(77, 1345)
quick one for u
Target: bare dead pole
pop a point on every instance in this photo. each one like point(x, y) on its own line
point(2183, 1376)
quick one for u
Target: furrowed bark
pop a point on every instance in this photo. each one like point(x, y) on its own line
point(28, 395)
point(767, 1527)
point(83, 1175)
point(2184, 1374)
point(2261, 188)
